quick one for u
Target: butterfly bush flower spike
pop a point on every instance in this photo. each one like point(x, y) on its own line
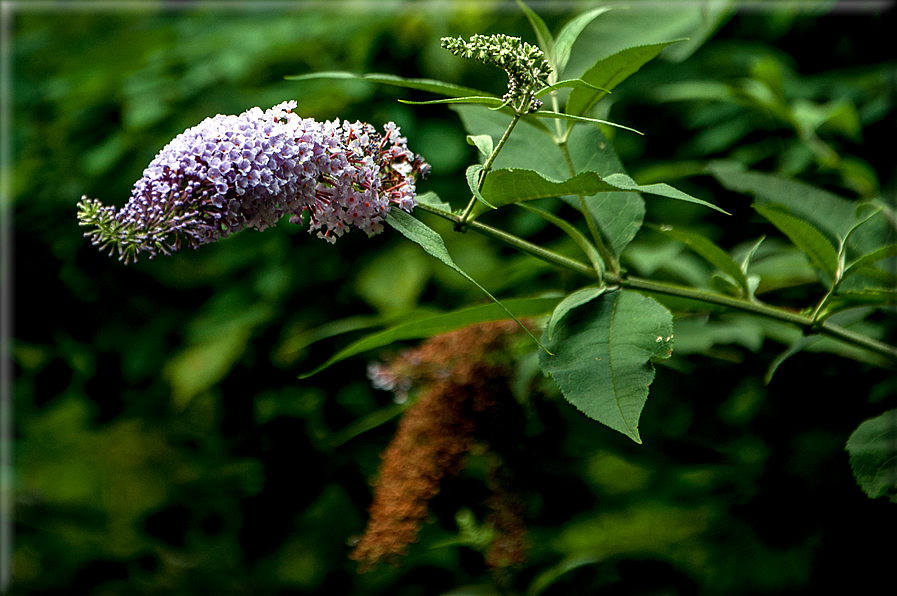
point(248, 171)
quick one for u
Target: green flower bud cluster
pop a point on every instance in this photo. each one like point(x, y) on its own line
point(527, 68)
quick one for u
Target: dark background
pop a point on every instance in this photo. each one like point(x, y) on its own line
point(163, 444)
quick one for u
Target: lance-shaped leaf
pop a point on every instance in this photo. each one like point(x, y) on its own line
point(624, 182)
point(419, 233)
point(873, 455)
point(710, 251)
point(609, 72)
point(803, 342)
point(443, 323)
point(543, 35)
point(507, 186)
point(602, 353)
point(569, 34)
point(571, 83)
point(868, 260)
point(484, 100)
point(868, 297)
point(805, 236)
point(560, 116)
point(833, 215)
point(473, 182)
point(512, 185)
point(431, 85)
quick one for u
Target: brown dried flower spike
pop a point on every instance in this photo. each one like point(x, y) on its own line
point(461, 374)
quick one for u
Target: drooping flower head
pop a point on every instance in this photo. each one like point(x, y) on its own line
point(525, 65)
point(247, 171)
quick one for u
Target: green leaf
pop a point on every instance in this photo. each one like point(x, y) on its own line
point(201, 365)
point(418, 232)
point(574, 300)
point(624, 182)
point(806, 237)
point(568, 117)
point(473, 182)
point(546, 578)
point(432, 199)
point(482, 142)
point(477, 99)
point(619, 216)
point(710, 251)
point(873, 455)
point(507, 186)
point(867, 260)
point(546, 40)
point(431, 85)
point(854, 299)
point(365, 424)
point(609, 72)
point(699, 334)
point(571, 83)
point(588, 147)
point(443, 323)
point(568, 35)
point(702, 90)
point(749, 255)
point(803, 342)
point(602, 353)
point(828, 212)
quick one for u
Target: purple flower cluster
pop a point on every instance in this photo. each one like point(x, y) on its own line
point(248, 171)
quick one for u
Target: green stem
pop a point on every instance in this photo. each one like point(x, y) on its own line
point(611, 263)
point(488, 165)
point(805, 323)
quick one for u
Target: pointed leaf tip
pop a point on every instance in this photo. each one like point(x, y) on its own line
point(603, 354)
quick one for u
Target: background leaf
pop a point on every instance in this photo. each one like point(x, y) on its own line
point(609, 72)
point(804, 236)
point(710, 251)
point(828, 212)
point(873, 455)
point(568, 35)
point(546, 40)
point(885, 252)
point(602, 357)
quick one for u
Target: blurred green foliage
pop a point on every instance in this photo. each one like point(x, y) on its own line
point(163, 444)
